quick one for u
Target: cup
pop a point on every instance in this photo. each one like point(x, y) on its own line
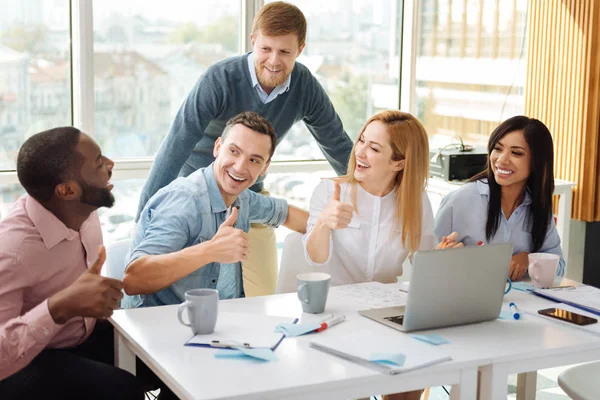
point(313, 288)
point(202, 308)
point(542, 269)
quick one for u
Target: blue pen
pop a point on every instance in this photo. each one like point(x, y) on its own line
point(515, 311)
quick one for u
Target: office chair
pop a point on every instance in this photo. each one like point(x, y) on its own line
point(581, 382)
point(115, 258)
point(292, 263)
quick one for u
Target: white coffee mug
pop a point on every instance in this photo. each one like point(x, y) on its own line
point(542, 269)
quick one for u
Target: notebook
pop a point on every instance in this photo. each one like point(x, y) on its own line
point(363, 346)
point(243, 330)
point(584, 297)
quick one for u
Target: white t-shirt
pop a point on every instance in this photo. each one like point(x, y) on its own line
point(370, 248)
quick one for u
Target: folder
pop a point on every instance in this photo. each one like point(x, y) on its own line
point(362, 347)
point(584, 297)
point(235, 330)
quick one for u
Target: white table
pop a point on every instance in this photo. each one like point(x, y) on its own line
point(496, 348)
point(438, 188)
point(155, 336)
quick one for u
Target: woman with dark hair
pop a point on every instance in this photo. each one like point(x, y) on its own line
point(511, 200)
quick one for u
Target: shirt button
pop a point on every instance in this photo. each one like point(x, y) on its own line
point(22, 355)
point(46, 331)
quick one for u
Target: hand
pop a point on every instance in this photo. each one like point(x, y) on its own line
point(229, 245)
point(449, 242)
point(337, 215)
point(518, 266)
point(91, 295)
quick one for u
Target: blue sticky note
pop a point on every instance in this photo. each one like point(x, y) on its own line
point(522, 286)
point(388, 358)
point(296, 329)
point(505, 314)
point(432, 338)
point(261, 354)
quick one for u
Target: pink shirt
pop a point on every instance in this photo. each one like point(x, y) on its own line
point(40, 256)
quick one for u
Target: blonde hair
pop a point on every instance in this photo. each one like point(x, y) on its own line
point(409, 142)
point(280, 18)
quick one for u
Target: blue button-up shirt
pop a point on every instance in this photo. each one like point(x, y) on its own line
point(465, 211)
point(190, 211)
point(264, 97)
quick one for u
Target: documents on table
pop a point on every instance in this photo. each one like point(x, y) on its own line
point(584, 297)
point(371, 294)
point(378, 351)
point(243, 330)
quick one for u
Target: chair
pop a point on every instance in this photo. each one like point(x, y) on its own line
point(115, 258)
point(581, 382)
point(292, 263)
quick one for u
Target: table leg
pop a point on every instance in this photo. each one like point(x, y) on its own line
point(494, 382)
point(526, 385)
point(124, 357)
point(466, 389)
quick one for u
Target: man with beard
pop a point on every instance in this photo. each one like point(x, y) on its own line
point(271, 83)
point(54, 339)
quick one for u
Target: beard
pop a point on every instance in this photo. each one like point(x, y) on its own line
point(268, 81)
point(95, 196)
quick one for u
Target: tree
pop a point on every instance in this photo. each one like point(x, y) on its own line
point(22, 38)
point(223, 31)
point(350, 101)
point(185, 33)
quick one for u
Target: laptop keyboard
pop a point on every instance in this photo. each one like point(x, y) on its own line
point(398, 319)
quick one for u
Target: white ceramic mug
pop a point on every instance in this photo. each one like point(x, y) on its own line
point(542, 269)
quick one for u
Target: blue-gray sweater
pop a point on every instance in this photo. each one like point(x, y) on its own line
point(224, 91)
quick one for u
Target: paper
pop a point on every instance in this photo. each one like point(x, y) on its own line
point(506, 314)
point(238, 328)
point(296, 329)
point(360, 346)
point(257, 354)
point(371, 294)
point(522, 286)
point(432, 338)
point(586, 296)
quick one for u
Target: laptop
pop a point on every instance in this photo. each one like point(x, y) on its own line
point(451, 287)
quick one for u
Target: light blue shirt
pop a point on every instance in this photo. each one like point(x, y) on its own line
point(190, 211)
point(465, 211)
point(266, 98)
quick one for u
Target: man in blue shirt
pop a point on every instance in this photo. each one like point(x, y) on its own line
point(269, 82)
point(192, 233)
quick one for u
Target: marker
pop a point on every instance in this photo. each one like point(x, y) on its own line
point(515, 311)
point(480, 243)
point(331, 322)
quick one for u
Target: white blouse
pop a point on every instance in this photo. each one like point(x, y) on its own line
point(370, 248)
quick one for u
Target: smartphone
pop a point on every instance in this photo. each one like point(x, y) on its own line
point(568, 316)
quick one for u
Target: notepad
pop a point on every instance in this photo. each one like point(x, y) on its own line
point(361, 346)
point(584, 297)
point(257, 330)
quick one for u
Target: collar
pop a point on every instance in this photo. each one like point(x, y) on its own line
point(51, 229)
point(284, 87)
point(484, 189)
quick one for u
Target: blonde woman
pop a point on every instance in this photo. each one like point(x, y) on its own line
point(363, 225)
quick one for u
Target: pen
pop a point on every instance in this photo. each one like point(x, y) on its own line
point(225, 345)
point(480, 243)
point(331, 322)
point(515, 311)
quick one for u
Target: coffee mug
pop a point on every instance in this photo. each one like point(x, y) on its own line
point(202, 308)
point(542, 269)
point(313, 288)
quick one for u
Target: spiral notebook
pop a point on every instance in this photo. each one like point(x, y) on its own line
point(361, 347)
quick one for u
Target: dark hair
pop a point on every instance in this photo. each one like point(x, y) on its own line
point(47, 159)
point(540, 182)
point(255, 122)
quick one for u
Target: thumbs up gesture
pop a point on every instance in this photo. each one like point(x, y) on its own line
point(337, 215)
point(91, 295)
point(229, 245)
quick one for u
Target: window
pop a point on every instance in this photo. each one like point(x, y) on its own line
point(353, 50)
point(147, 58)
point(470, 71)
point(35, 72)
